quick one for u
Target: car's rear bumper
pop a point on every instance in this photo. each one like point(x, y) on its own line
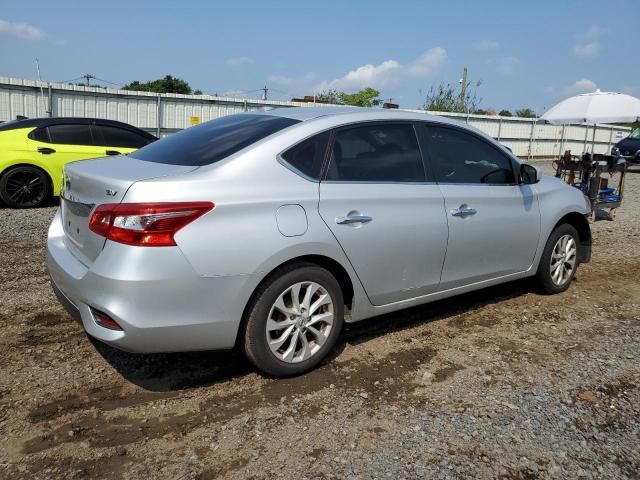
point(154, 294)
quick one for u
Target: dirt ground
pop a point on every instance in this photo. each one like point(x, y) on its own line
point(501, 383)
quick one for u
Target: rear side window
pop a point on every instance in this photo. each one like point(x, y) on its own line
point(118, 137)
point(376, 153)
point(307, 156)
point(459, 157)
point(40, 135)
point(70, 134)
point(212, 141)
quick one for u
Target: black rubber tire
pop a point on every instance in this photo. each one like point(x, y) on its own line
point(254, 341)
point(36, 198)
point(546, 283)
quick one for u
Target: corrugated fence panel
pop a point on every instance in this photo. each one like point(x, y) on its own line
point(30, 98)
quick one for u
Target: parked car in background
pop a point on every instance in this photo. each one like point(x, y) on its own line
point(33, 152)
point(629, 146)
point(269, 230)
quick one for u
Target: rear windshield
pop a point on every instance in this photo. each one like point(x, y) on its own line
point(212, 141)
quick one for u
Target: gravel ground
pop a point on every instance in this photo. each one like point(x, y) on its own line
point(501, 383)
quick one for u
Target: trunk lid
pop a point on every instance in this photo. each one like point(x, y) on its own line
point(88, 183)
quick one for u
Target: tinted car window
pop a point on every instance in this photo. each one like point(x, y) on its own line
point(40, 135)
point(118, 137)
point(70, 134)
point(377, 153)
point(212, 141)
point(459, 157)
point(307, 156)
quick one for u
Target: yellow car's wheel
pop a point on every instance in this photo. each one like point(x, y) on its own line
point(24, 187)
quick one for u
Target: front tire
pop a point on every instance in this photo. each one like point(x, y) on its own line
point(24, 187)
point(294, 320)
point(559, 260)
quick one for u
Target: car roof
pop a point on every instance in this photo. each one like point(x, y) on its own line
point(47, 121)
point(305, 114)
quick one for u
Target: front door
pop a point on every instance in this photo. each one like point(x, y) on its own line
point(494, 222)
point(386, 216)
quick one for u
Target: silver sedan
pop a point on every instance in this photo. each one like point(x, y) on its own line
point(267, 231)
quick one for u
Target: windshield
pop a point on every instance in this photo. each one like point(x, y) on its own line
point(212, 141)
point(635, 134)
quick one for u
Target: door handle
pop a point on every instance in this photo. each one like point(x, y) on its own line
point(112, 152)
point(349, 219)
point(463, 211)
point(46, 150)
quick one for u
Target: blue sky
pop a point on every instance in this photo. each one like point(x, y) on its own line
point(526, 54)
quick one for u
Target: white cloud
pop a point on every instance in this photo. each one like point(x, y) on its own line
point(390, 72)
point(581, 86)
point(591, 49)
point(21, 30)
point(238, 61)
point(486, 45)
point(589, 44)
point(234, 93)
point(595, 31)
point(291, 81)
point(507, 66)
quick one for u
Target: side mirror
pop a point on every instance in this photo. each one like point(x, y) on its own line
point(530, 174)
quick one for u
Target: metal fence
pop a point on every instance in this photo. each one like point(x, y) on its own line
point(529, 138)
point(166, 113)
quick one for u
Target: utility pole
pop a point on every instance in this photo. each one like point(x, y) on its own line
point(265, 90)
point(88, 77)
point(463, 88)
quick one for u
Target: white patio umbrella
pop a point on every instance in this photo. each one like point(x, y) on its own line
point(593, 108)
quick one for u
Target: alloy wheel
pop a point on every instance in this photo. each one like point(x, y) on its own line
point(563, 260)
point(300, 322)
point(25, 188)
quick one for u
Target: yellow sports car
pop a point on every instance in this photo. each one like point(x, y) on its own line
point(33, 152)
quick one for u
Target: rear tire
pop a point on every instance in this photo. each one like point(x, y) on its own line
point(559, 260)
point(294, 320)
point(24, 187)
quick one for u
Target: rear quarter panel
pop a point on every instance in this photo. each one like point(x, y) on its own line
point(240, 237)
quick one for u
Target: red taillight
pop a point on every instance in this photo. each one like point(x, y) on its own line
point(145, 224)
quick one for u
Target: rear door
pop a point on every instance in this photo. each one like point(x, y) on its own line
point(113, 140)
point(385, 213)
point(64, 142)
point(494, 222)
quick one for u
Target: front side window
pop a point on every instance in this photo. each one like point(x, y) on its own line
point(376, 153)
point(459, 157)
point(307, 156)
point(212, 141)
point(70, 134)
point(118, 137)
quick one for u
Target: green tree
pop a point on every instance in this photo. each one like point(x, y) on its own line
point(168, 84)
point(329, 96)
point(197, 92)
point(448, 98)
point(505, 113)
point(526, 113)
point(367, 97)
